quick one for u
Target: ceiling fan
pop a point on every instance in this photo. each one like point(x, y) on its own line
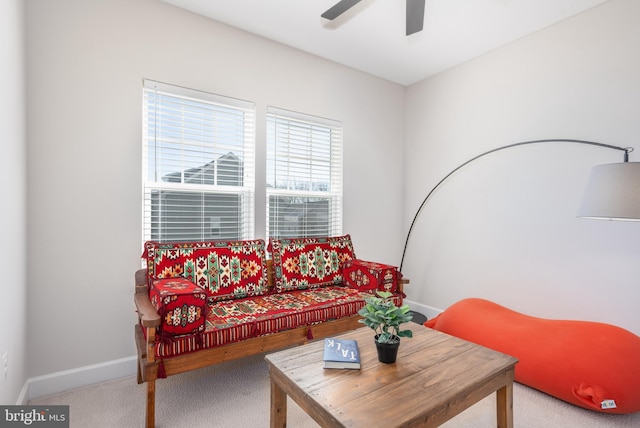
point(415, 13)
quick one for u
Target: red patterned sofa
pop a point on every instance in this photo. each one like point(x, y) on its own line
point(202, 303)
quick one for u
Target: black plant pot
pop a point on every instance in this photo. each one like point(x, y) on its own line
point(387, 352)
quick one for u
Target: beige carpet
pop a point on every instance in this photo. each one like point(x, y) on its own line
point(236, 394)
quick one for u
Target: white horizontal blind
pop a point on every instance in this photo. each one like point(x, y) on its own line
point(304, 175)
point(198, 165)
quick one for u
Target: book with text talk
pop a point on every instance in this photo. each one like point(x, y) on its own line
point(341, 354)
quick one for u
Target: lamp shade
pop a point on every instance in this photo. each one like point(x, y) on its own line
point(613, 192)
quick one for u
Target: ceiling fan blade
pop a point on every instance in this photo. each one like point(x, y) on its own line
point(415, 16)
point(339, 8)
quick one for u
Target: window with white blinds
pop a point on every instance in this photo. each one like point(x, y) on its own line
point(198, 165)
point(304, 175)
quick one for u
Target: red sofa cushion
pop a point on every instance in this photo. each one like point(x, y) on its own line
point(589, 364)
point(302, 263)
point(181, 304)
point(224, 269)
point(370, 276)
point(235, 320)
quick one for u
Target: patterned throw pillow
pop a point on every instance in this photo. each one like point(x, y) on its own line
point(181, 304)
point(224, 269)
point(309, 262)
point(371, 276)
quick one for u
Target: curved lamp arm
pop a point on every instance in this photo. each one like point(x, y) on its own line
point(626, 151)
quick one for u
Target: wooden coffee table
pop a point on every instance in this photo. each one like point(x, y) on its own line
point(435, 377)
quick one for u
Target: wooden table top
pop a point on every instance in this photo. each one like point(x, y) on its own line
point(435, 377)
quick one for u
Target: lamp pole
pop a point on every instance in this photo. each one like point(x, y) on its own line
point(626, 151)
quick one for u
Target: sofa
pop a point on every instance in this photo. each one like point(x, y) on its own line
point(203, 303)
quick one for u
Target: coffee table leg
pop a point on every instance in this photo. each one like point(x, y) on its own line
point(504, 401)
point(278, 406)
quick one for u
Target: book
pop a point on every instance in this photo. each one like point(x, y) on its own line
point(341, 354)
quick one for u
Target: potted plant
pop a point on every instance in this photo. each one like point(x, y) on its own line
point(382, 315)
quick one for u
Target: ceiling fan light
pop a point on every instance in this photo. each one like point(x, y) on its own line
point(415, 13)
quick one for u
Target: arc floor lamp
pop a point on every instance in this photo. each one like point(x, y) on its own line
point(612, 193)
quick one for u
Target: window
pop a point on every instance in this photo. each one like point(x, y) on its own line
point(304, 175)
point(198, 165)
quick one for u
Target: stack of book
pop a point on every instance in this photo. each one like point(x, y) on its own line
point(341, 354)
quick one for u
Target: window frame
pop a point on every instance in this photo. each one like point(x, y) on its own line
point(330, 159)
point(155, 141)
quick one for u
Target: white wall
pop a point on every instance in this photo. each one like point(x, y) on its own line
point(504, 228)
point(13, 176)
point(85, 65)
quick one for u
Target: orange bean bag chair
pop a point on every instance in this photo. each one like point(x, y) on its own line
point(589, 364)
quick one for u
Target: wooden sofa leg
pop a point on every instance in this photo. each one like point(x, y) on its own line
point(151, 404)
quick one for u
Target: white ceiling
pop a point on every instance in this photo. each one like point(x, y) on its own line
point(371, 36)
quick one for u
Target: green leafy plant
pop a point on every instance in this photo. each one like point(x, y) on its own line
point(382, 315)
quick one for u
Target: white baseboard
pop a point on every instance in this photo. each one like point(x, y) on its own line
point(54, 383)
point(428, 311)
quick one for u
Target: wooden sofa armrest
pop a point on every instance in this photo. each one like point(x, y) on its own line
point(146, 312)
point(401, 284)
point(141, 281)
